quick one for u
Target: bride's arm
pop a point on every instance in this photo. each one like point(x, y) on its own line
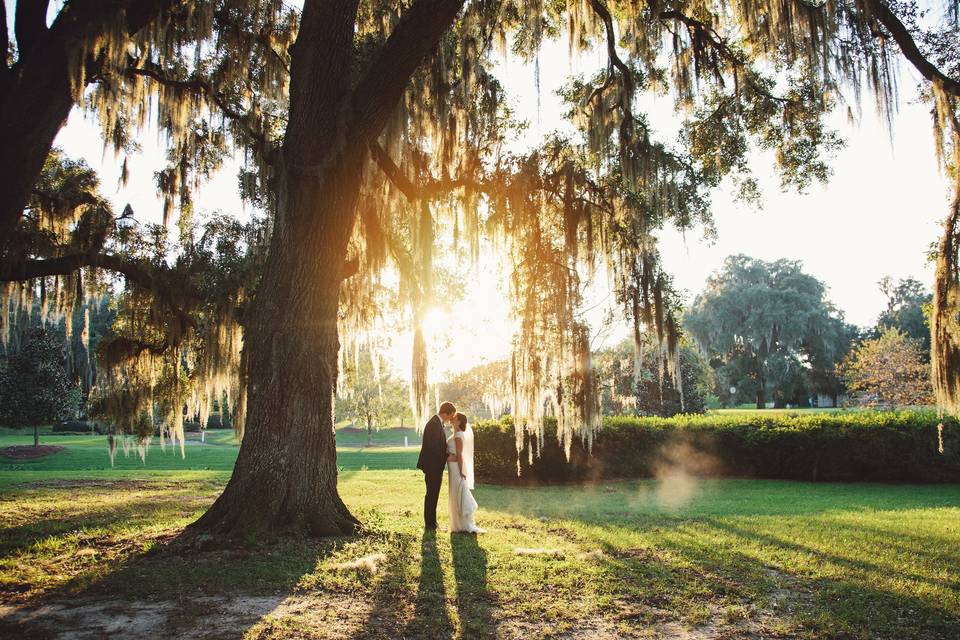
point(459, 443)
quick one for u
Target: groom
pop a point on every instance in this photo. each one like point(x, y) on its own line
point(433, 459)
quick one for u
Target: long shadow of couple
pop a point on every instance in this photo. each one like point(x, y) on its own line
point(431, 618)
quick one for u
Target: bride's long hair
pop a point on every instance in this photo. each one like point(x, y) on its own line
point(467, 451)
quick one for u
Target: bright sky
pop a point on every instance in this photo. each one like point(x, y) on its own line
point(877, 216)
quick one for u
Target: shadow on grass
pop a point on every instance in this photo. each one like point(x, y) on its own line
point(474, 599)
point(854, 564)
point(131, 510)
point(712, 565)
point(424, 614)
point(176, 592)
point(166, 583)
point(430, 617)
point(722, 550)
point(391, 615)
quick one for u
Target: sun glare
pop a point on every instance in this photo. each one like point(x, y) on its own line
point(435, 322)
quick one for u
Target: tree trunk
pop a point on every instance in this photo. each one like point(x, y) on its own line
point(34, 104)
point(36, 435)
point(285, 478)
point(761, 383)
point(369, 432)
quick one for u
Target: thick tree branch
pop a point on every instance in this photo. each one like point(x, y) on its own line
point(393, 172)
point(604, 14)
point(431, 189)
point(123, 348)
point(262, 38)
point(708, 34)
point(4, 38)
point(140, 13)
point(86, 17)
point(36, 92)
point(134, 271)
point(350, 268)
point(30, 23)
point(909, 47)
point(415, 36)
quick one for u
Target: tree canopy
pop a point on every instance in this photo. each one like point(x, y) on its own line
point(769, 327)
point(481, 391)
point(888, 371)
point(908, 301)
point(640, 386)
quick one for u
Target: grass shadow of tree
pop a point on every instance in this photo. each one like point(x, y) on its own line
point(175, 579)
point(627, 499)
point(684, 571)
point(693, 562)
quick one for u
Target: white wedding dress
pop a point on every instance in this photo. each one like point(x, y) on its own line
point(462, 504)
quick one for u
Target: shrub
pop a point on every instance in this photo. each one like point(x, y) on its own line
point(73, 426)
point(856, 446)
point(219, 421)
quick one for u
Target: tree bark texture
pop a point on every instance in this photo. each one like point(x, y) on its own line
point(34, 105)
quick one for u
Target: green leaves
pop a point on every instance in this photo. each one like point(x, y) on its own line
point(889, 371)
point(768, 325)
point(34, 387)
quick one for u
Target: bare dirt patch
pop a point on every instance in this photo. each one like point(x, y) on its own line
point(320, 616)
point(29, 452)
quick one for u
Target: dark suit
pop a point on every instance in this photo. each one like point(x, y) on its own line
point(433, 459)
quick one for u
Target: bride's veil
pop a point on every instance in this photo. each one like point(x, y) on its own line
point(467, 454)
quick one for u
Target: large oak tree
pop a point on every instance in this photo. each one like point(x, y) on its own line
point(368, 124)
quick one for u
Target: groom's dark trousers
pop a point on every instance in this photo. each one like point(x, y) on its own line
point(433, 459)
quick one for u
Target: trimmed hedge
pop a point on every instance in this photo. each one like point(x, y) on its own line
point(79, 426)
point(842, 446)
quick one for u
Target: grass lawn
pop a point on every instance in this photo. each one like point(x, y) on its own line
point(90, 549)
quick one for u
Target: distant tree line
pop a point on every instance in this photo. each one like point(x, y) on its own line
point(772, 337)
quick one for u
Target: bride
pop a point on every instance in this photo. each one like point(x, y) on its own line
point(460, 483)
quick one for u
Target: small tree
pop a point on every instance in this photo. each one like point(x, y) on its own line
point(906, 300)
point(652, 391)
point(888, 371)
point(371, 396)
point(34, 387)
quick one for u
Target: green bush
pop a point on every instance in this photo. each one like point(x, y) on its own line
point(81, 426)
point(855, 446)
